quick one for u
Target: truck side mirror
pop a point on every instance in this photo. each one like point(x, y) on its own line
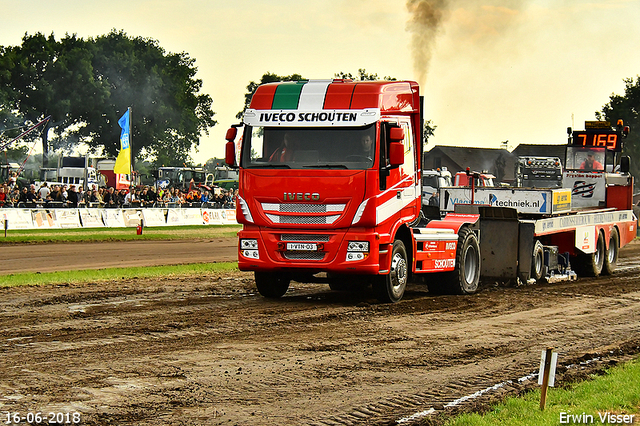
point(230, 152)
point(396, 134)
point(232, 132)
point(625, 164)
point(396, 153)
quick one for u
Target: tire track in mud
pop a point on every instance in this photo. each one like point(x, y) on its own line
point(211, 350)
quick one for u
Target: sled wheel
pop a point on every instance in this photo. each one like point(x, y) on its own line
point(537, 261)
point(611, 257)
point(590, 265)
point(271, 284)
point(466, 277)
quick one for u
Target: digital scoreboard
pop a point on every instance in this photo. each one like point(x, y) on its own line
point(609, 139)
point(599, 134)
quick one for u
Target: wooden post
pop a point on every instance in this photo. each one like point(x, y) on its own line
point(545, 378)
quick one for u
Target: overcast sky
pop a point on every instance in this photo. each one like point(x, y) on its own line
point(514, 70)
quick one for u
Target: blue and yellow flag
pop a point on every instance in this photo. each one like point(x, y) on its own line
point(123, 162)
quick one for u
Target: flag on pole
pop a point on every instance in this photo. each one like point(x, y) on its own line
point(123, 161)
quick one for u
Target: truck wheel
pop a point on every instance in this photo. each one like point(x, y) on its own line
point(465, 278)
point(611, 256)
point(590, 265)
point(390, 288)
point(271, 284)
point(537, 261)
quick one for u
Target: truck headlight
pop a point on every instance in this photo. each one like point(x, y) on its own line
point(248, 244)
point(357, 250)
point(358, 246)
point(249, 248)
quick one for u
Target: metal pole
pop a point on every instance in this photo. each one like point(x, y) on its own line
point(130, 145)
point(545, 378)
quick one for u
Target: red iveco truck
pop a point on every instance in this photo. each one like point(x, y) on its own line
point(330, 191)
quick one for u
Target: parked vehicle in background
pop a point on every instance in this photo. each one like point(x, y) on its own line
point(432, 181)
point(180, 177)
point(224, 177)
point(112, 179)
point(468, 178)
point(538, 172)
point(72, 171)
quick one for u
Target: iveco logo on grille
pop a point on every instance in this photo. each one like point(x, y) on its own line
point(301, 196)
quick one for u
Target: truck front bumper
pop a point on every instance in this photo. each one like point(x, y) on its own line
point(349, 252)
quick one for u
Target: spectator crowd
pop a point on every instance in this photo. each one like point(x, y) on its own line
point(61, 195)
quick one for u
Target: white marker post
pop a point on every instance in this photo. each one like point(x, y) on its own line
point(546, 376)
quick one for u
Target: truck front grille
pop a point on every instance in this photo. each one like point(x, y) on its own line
point(294, 255)
point(303, 208)
point(305, 238)
point(303, 213)
point(303, 220)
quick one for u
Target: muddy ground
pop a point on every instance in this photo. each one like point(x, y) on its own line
point(211, 351)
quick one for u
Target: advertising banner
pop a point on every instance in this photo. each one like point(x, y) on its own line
point(43, 219)
point(529, 201)
point(587, 189)
point(113, 218)
point(191, 217)
point(154, 217)
point(91, 218)
point(66, 218)
point(40, 218)
point(132, 217)
point(211, 217)
point(16, 218)
point(229, 217)
point(174, 218)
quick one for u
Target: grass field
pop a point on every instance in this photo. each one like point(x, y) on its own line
point(107, 274)
point(118, 234)
point(605, 399)
point(115, 234)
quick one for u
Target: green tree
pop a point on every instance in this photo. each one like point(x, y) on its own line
point(362, 75)
point(428, 130)
point(86, 86)
point(44, 77)
point(627, 108)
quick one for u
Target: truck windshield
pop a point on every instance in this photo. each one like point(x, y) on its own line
point(588, 159)
point(302, 147)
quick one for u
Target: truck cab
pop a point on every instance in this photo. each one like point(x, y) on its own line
point(330, 187)
point(432, 181)
point(468, 178)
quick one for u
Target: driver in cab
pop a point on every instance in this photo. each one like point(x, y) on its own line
point(591, 163)
point(285, 151)
point(366, 147)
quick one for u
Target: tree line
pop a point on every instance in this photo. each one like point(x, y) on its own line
point(86, 86)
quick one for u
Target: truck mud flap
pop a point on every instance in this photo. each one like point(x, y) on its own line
point(506, 244)
point(499, 230)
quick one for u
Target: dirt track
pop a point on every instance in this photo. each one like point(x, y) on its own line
point(211, 351)
point(16, 258)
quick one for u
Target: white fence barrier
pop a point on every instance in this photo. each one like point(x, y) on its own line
point(39, 218)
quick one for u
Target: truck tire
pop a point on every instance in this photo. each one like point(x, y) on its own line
point(390, 288)
point(611, 255)
point(466, 277)
point(590, 265)
point(537, 261)
point(272, 285)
